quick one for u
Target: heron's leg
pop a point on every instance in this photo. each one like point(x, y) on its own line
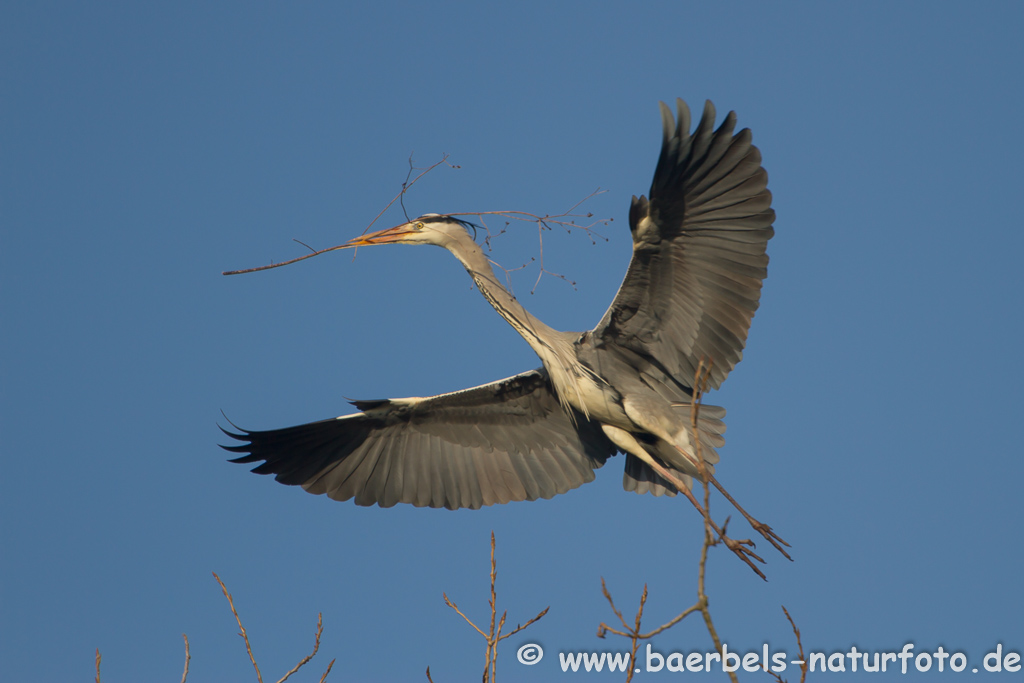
point(760, 527)
point(646, 415)
point(628, 443)
point(658, 419)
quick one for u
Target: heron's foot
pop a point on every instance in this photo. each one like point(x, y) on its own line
point(759, 527)
point(771, 536)
point(743, 550)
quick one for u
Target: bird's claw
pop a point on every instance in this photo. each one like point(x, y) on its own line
point(742, 549)
point(759, 527)
point(771, 537)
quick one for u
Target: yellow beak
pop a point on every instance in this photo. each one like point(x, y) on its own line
point(394, 234)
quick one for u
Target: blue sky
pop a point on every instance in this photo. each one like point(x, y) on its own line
point(146, 148)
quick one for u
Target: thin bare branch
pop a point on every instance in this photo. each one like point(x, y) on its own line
point(800, 645)
point(455, 607)
point(188, 658)
point(245, 636)
point(527, 624)
point(508, 271)
point(407, 185)
point(284, 263)
point(604, 627)
point(248, 648)
point(635, 642)
point(316, 648)
point(700, 386)
point(329, 667)
point(492, 641)
point(316, 252)
point(565, 220)
point(672, 622)
point(631, 632)
point(304, 244)
point(98, 665)
point(494, 636)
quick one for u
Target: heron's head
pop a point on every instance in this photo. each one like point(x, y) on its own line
point(430, 228)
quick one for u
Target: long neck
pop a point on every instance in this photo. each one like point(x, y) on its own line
point(554, 348)
point(535, 332)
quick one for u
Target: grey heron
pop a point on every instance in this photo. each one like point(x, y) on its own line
point(690, 292)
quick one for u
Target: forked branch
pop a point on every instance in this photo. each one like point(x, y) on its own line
point(248, 647)
point(800, 645)
point(571, 219)
point(494, 634)
point(566, 220)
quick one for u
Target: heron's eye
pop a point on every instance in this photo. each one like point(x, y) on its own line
point(418, 225)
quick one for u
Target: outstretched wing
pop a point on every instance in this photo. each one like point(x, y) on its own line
point(698, 252)
point(499, 442)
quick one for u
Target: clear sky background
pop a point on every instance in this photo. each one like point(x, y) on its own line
point(874, 420)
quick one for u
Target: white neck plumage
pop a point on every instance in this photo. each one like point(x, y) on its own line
point(554, 348)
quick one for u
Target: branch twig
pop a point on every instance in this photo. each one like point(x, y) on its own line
point(330, 666)
point(188, 658)
point(316, 252)
point(800, 645)
point(494, 635)
point(248, 648)
point(245, 636)
point(316, 648)
point(566, 220)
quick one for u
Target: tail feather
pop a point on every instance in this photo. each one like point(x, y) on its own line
point(640, 478)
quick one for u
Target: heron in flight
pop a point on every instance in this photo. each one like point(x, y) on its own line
point(626, 386)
